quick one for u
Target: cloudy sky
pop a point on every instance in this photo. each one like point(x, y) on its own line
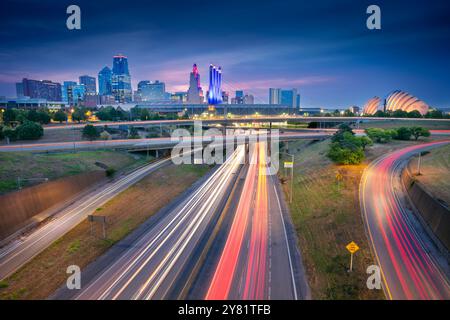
point(321, 47)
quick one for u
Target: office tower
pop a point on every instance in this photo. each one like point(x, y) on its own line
point(298, 102)
point(249, 99)
point(195, 92)
point(289, 97)
point(104, 82)
point(19, 90)
point(89, 83)
point(238, 97)
point(121, 80)
point(152, 90)
point(274, 96)
point(225, 97)
point(67, 91)
point(76, 94)
point(44, 89)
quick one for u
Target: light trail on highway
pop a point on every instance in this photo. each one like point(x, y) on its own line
point(408, 268)
point(152, 265)
point(255, 263)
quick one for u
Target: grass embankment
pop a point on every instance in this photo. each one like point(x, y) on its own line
point(392, 124)
point(27, 165)
point(45, 273)
point(435, 172)
point(326, 215)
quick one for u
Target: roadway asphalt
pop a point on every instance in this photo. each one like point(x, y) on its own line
point(153, 264)
point(409, 261)
point(258, 259)
point(236, 120)
point(151, 143)
point(18, 252)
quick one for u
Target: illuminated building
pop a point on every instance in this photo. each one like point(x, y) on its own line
point(121, 80)
point(215, 83)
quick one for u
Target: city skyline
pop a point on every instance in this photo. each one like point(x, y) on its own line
point(333, 61)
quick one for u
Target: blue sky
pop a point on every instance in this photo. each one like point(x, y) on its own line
point(323, 48)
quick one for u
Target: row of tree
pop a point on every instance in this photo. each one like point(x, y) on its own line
point(432, 114)
point(346, 148)
point(28, 130)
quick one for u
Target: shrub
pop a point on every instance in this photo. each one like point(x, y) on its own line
point(90, 132)
point(29, 131)
point(344, 155)
point(110, 172)
point(417, 132)
point(379, 135)
point(403, 133)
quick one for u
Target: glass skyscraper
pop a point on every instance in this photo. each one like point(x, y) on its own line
point(67, 91)
point(151, 91)
point(89, 83)
point(121, 80)
point(105, 82)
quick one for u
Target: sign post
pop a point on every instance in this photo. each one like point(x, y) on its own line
point(352, 247)
point(290, 164)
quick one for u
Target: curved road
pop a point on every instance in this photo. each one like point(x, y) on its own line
point(18, 252)
point(408, 262)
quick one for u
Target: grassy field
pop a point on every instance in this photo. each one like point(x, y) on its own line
point(435, 172)
point(47, 271)
point(56, 165)
point(326, 215)
point(432, 125)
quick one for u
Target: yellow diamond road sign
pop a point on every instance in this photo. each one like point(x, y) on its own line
point(352, 247)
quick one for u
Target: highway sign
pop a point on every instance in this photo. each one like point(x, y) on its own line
point(352, 247)
point(288, 164)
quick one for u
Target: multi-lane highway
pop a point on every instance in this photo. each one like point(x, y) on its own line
point(150, 143)
point(408, 260)
point(257, 261)
point(18, 252)
point(153, 265)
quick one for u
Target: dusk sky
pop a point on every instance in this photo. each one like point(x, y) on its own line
point(321, 47)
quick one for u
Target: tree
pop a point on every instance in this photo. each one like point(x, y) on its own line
point(417, 132)
point(29, 131)
point(33, 116)
point(399, 114)
point(339, 135)
point(414, 114)
point(345, 156)
point(145, 115)
point(133, 133)
point(79, 115)
point(60, 116)
point(403, 133)
point(90, 132)
point(365, 142)
point(9, 116)
point(43, 117)
point(380, 114)
point(379, 135)
point(435, 114)
point(9, 133)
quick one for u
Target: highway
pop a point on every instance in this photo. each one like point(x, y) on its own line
point(256, 262)
point(408, 259)
point(151, 143)
point(153, 266)
point(18, 252)
point(244, 119)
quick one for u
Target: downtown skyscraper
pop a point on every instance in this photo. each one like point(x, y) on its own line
point(121, 80)
point(195, 92)
point(105, 82)
point(89, 83)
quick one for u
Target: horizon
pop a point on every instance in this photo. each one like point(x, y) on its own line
point(334, 61)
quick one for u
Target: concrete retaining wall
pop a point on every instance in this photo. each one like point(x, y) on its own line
point(433, 213)
point(18, 208)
